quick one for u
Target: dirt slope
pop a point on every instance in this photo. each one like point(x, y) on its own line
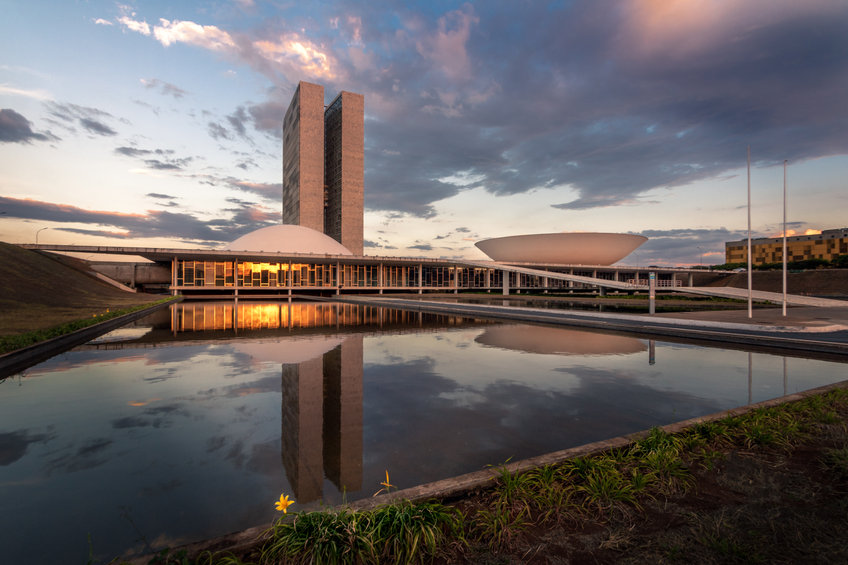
point(40, 290)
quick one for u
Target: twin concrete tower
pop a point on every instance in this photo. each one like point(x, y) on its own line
point(323, 171)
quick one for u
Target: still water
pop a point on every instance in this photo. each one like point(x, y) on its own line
point(190, 423)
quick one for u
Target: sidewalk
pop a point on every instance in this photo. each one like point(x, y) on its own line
point(802, 317)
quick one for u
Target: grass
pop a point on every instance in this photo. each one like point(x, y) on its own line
point(604, 499)
point(400, 533)
point(10, 343)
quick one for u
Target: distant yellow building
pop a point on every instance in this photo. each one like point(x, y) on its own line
point(828, 245)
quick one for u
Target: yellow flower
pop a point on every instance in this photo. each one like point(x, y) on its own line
point(387, 486)
point(283, 503)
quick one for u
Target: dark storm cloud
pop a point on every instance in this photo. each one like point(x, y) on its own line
point(14, 128)
point(233, 223)
point(605, 97)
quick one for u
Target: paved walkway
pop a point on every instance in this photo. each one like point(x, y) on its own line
point(762, 296)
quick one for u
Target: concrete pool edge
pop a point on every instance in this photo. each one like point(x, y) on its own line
point(799, 338)
point(461, 485)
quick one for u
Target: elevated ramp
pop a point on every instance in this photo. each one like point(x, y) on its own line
point(722, 291)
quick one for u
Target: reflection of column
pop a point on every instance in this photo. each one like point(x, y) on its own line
point(652, 351)
point(302, 407)
point(785, 380)
point(750, 377)
point(343, 415)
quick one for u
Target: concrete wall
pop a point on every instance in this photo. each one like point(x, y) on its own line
point(135, 274)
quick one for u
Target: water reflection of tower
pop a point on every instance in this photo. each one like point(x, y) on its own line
point(322, 421)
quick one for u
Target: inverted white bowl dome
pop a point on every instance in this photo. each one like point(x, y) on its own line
point(288, 238)
point(562, 248)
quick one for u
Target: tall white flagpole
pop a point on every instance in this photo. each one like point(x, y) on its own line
point(750, 280)
point(784, 237)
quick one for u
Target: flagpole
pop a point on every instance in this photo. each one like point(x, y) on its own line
point(750, 280)
point(784, 237)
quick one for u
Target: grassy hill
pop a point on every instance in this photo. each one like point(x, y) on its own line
point(40, 290)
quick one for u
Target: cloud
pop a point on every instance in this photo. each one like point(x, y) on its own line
point(208, 37)
point(290, 53)
point(156, 159)
point(165, 87)
point(35, 94)
point(683, 246)
point(606, 100)
point(163, 199)
point(237, 120)
point(233, 222)
point(14, 128)
point(91, 119)
point(133, 25)
point(446, 47)
point(217, 131)
point(96, 127)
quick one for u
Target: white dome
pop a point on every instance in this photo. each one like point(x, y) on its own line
point(562, 248)
point(288, 238)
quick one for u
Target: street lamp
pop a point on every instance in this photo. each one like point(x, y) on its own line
point(38, 232)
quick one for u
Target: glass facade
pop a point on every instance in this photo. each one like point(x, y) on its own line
point(249, 275)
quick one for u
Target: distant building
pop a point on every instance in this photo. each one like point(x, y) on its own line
point(323, 169)
point(828, 245)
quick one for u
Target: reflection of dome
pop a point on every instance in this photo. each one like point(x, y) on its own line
point(286, 351)
point(562, 248)
point(288, 238)
point(555, 341)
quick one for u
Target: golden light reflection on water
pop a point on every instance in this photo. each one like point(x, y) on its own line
point(219, 316)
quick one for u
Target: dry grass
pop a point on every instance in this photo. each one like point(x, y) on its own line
point(40, 291)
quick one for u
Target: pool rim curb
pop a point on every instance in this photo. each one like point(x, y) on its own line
point(20, 359)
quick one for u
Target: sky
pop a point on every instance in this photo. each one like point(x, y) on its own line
point(160, 123)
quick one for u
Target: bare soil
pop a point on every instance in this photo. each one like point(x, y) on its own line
point(41, 290)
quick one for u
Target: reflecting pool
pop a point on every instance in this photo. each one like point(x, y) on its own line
point(190, 423)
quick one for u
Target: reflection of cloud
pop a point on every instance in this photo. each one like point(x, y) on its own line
point(89, 455)
point(507, 417)
point(556, 341)
point(14, 445)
